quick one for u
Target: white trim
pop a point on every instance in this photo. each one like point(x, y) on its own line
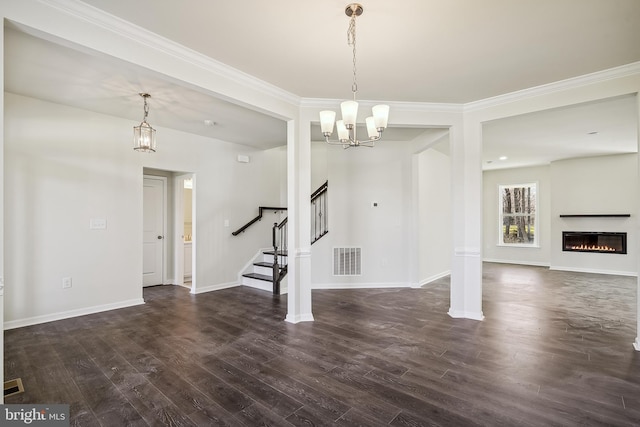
point(432, 278)
point(550, 88)
point(12, 324)
point(518, 262)
point(636, 344)
point(217, 287)
point(299, 318)
point(302, 253)
point(595, 271)
point(420, 107)
point(473, 315)
point(112, 23)
point(467, 252)
point(361, 285)
point(517, 245)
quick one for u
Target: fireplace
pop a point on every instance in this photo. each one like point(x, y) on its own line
point(594, 241)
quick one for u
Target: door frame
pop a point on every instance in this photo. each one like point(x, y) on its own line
point(163, 270)
point(178, 255)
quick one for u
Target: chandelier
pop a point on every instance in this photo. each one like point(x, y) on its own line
point(376, 124)
point(144, 136)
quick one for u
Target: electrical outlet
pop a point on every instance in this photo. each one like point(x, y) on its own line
point(66, 282)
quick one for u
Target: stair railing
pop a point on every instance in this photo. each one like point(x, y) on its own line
point(279, 238)
point(319, 209)
point(279, 233)
point(256, 219)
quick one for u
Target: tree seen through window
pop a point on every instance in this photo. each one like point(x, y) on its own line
point(518, 214)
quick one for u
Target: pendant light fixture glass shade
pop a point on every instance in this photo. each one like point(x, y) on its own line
point(376, 124)
point(144, 136)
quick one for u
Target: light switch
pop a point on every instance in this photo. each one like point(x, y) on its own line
point(98, 224)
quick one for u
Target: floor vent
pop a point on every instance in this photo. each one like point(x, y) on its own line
point(347, 261)
point(13, 387)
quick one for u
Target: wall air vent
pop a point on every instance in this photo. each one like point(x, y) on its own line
point(347, 261)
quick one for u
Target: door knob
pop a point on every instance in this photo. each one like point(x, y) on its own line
point(159, 237)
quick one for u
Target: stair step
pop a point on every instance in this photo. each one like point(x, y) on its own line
point(282, 253)
point(258, 276)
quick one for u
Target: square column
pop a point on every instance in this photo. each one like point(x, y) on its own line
point(299, 214)
point(466, 190)
point(636, 343)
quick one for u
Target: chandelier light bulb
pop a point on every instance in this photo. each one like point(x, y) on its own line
point(381, 116)
point(372, 131)
point(343, 132)
point(349, 113)
point(327, 119)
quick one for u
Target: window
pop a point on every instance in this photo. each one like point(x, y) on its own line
point(518, 221)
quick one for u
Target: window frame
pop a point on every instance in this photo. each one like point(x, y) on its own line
point(536, 239)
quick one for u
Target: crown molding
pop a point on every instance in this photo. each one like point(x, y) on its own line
point(562, 85)
point(112, 23)
point(424, 107)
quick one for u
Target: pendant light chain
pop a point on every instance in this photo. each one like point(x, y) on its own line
point(351, 41)
point(146, 108)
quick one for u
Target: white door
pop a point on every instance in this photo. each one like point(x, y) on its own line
point(153, 231)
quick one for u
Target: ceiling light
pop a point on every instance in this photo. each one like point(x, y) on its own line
point(346, 127)
point(144, 136)
point(503, 157)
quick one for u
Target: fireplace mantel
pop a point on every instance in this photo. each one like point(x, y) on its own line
point(595, 215)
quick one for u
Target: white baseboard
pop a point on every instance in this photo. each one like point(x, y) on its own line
point(595, 271)
point(218, 287)
point(308, 317)
point(360, 285)
point(458, 314)
point(433, 278)
point(12, 324)
point(518, 262)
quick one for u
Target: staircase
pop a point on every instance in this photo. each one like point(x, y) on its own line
point(261, 275)
point(269, 266)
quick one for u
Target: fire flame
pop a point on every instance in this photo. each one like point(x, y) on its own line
point(604, 248)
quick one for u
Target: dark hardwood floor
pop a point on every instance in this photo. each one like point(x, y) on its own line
point(555, 349)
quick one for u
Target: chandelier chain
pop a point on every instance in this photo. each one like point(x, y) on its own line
point(351, 41)
point(146, 108)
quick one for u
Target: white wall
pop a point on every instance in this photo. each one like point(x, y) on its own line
point(434, 211)
point(595, 185)
point(357, 178)
point(65, 166)
point(518, 255)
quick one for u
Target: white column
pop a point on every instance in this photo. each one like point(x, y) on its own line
point(466, 188)
point(636, 343)
point(2, 214)
point(414, 235)
point(299, 214)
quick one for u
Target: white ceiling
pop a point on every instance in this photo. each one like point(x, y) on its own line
point(453, 51)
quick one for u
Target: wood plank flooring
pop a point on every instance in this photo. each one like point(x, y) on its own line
point(555, 349)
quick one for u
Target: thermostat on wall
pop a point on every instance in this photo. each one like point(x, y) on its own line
point(243, 159)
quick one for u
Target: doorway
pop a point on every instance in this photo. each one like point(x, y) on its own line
point(184, 256)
